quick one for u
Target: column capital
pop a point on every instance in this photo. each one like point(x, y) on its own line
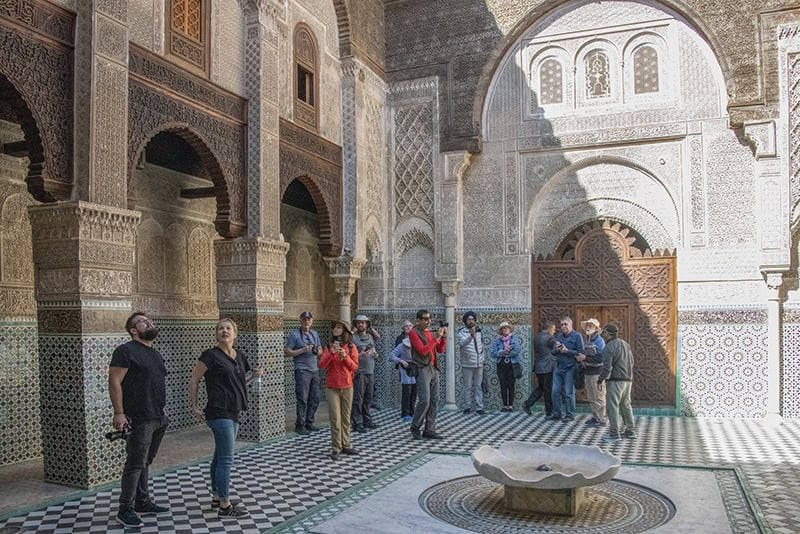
point(345, 266)
point(774, 280)
point(449, 288)
point(250, 274)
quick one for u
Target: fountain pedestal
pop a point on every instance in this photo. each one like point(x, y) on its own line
point(544, 479)
point(544, 501)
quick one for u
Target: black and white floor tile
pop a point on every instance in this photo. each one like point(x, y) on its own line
point(285, 477)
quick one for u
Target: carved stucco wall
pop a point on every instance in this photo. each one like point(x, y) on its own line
point(320, 16)
point(413, 158)
point(463, 40)
point(146, 23)
point(307, 286)
point(174, 274)
point(227, 45)
point(19, 357)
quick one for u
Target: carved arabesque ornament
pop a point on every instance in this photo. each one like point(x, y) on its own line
point(218, 135)
point(40, 72)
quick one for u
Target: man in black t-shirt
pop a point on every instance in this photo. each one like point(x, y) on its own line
point(137, 385)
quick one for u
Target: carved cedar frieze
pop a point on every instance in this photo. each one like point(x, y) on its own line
point(209, 118)
point(39, 67)
point(318, 164)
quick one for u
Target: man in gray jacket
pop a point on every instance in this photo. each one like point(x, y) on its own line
point(618, 372)
point(470, 345)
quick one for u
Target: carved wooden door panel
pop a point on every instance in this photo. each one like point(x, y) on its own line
point(599, 273)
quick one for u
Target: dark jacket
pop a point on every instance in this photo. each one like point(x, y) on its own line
point(543, 359)
point(617, 361)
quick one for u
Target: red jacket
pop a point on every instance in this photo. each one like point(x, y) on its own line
point(427, 346)
point(340, 372)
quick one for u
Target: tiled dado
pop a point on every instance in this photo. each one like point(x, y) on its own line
point(20, 420)
point(790, 361)
point(265, 417)
point(76, 409)
point(723, 363)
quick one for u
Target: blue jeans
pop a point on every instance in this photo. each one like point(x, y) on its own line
point(564, 378)
point(306, 392)
point(140, 449)
point(225, 431)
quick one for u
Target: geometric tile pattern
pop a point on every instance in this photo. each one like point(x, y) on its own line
point(790, 374)
point(477, 504)
point(283, 478)
point(723, 370)
point(20, 423)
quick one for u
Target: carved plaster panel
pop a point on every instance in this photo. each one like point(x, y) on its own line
point(42, 72)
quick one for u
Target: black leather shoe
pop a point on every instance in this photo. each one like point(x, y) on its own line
point(416, 433)
point(480, 412)
point(302, 431)
point(467, 411)
point(370, 425)
point(431, 435)
point(312, 428)
point(526, 408)
point(350, 450)
point(334, 455)
point(360, 429)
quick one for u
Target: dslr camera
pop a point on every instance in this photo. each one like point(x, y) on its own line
point(443, 324)
point(119, 434)
point(314, 350)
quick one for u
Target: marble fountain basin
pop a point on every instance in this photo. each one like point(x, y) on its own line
point(544, 479)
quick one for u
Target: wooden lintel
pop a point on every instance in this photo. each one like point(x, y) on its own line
point(18, 149)
point(198, 192)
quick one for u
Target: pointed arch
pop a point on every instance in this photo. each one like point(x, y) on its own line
point(210, 164)
point(328, 243)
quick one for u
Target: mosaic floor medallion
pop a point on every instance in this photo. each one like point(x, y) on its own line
point(475, 504)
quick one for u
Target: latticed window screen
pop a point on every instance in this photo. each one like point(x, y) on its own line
point(645, 70)
point(187, 18)
point(551, 82)
point(187, 36)
point(598, 82)
point(305, 56)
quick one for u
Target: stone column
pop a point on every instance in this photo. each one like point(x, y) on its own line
point(774, 325)
point(84, 256)
point(450, 290)
point(345, 271)
point(101, 102)
point(250, 277)
point(265, 36)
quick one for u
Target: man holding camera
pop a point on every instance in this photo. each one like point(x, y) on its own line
point(470, 345)
point(364, 380)
point(137, 386)
point(426, 349)
point(303, 345)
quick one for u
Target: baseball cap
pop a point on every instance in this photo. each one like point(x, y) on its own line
point(306, 315)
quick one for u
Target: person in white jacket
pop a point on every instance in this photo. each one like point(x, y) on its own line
point(470, 345)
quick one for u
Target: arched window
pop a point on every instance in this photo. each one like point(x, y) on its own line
point(551, 82)
point(306, 81)
point(598, 82)
point(188, 32)
point(645, 70)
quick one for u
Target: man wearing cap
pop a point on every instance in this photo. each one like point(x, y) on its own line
point(364, 379)
point(304, 346)
point(591, 370)
point(618, 372)
point(470, 345)
point(568, 352)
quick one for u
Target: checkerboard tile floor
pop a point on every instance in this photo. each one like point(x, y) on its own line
point(285, 477)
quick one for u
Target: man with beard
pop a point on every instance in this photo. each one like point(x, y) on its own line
point(137, 386)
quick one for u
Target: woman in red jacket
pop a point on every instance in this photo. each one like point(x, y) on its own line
point(340, 358)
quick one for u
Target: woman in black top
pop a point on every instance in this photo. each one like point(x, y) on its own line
point(227, 373)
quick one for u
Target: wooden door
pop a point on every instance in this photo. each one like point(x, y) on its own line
point(598, 272)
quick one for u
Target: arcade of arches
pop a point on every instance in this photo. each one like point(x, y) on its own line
point(618, 159)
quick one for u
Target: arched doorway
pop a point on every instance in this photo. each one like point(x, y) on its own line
point(606, 270)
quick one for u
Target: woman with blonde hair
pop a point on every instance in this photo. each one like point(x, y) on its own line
point(340, 358)
point(227, 373)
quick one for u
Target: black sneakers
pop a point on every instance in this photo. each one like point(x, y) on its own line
point(128, 518)
point(234, 511)
point(150, 508)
